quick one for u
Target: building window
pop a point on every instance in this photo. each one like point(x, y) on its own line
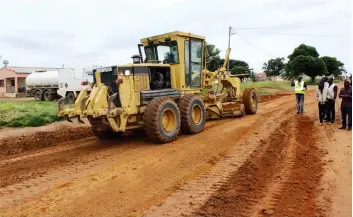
point(2, 83)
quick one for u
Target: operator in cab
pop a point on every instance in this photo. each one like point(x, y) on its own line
point(299, 90)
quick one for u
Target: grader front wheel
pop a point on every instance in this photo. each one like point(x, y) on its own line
point(193, 114)
point(162, 120)
point(250, 101)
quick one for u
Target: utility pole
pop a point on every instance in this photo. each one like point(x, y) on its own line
point(229, 34)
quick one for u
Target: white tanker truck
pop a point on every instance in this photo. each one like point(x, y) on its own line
point(54, 84)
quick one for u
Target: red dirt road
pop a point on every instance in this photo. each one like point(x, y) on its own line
point(272, 163)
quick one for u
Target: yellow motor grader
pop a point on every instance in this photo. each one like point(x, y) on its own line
point(163, 92)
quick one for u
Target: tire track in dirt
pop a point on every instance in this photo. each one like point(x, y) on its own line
point(239, 196)
point(281, 180)
point(300, 195)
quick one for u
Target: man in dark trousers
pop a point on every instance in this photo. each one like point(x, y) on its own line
point(346, 105)
point(331, 100)
point(299, 90)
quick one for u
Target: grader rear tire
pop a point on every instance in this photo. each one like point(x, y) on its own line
point(162, 120)
point(250, 101)
point(193, 114)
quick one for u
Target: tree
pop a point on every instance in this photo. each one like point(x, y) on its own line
point(304, 50)
point(305, 59)
point(213, 59)
point(237, 66)
point(311, 66)
point(334, 66)
point(274, 67)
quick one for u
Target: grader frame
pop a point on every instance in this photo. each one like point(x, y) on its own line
point(161, 97)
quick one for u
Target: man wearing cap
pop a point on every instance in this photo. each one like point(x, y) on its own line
point(299, 90)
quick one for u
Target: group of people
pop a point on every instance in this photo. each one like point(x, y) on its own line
point(326, 94)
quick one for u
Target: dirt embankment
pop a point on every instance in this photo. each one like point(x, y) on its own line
point(16, 144)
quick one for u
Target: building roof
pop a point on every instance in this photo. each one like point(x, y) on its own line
point(28, 70)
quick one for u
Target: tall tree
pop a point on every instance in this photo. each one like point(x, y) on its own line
point(237, 66)
point(213, 59)
point(305, 59)
point(274, 67)
point(334, 66)
point(304, 50)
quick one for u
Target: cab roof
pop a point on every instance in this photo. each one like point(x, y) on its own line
point(169, 34)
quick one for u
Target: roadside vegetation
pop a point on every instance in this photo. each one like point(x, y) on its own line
point(27, 113)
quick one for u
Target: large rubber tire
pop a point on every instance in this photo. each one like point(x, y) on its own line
point(193, 114)
point(162, 120)
point(47, 96)
point(250, 101)
point(70, 98)
point(38, 96)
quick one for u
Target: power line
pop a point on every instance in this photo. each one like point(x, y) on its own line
point(300, 24)
point(237, 33)
point(310, 35)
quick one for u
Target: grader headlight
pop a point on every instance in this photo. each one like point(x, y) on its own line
point(127, 72)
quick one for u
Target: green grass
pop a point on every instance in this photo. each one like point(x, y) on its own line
point(27, 113)
point(282, 86)
point(268, 84)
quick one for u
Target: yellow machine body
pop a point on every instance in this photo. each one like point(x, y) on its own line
point(169, 67)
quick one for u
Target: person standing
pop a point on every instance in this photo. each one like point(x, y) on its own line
point(346, 105)
point(331, 100)
point(299, 90)
point(321, 96)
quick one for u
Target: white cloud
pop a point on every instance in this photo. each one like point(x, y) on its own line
point(52, 33)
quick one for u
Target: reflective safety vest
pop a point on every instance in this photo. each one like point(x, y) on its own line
point(299, 87)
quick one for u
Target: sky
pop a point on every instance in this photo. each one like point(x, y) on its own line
point(75, 33)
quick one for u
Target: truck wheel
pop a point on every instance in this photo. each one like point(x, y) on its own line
point(71, 97)
point(162, 120)
point(38, 96)
point(250, 101)
point(47, 95)
point(193, 114)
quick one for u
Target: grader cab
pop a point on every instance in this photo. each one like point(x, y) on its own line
point(167, 89)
